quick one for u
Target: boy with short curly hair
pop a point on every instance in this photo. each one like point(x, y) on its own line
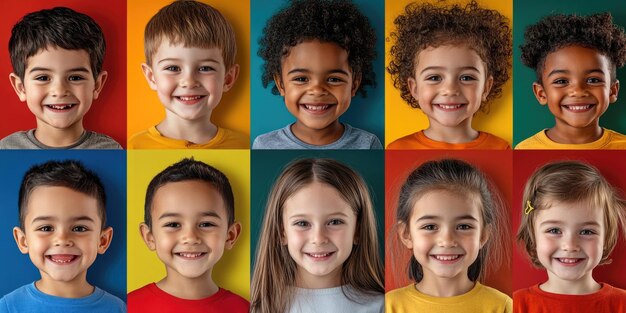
point(190, 52)
point(318, 54)
point(575, 59)
point(57, 56)
point(450, 61)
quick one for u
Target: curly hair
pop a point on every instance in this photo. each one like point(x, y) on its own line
point(554, 32)
point(424, 25)
point(335, 21)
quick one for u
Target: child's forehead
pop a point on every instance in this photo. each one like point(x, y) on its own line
point(316, 47)
point(52, 57)
point(567, 53)
point(188, 198)
point(167, 44)
point(60, 203)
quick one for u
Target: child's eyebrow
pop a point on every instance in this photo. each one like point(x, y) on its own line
point(44, 69)
point(435, 217)
point(176, 59)
point(559, 71)
point(203, 214)
point(305, 215)
point(471, 68)
point(47, 218)
point(333, 71)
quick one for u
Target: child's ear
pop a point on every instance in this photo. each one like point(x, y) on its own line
point(356, 83)
point(106, 235)
point(233, 233)
point(146, 235)
point(488, 86)
point(147, 72)
point(231, 77)
point(20, 239)
point(102, 78)
point(405, 235)
point(18, 86)
point(540, 93)
point(614, 91)
point(412, 84)
point(484, 236)
point(279, 84)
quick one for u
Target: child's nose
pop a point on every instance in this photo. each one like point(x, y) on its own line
point(190, 237)
point(58, 88)
point(577, 90)
point(62, 238)
point(570, 243)
point(450, 88)
point(317, 88)
point(446, 239)
point(189, 80)
point(319, 235)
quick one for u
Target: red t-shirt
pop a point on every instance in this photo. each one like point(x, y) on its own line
point(607, 300)
point(418, 140)
point(150, 298)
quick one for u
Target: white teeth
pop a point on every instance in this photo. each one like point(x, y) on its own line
point(450, 107)
point(319, 255)
point(190, 255)
point(568, 260)
point(578, 107)
point(446, 257)
point(316, 107)
point(61, 107)
point(185, 98)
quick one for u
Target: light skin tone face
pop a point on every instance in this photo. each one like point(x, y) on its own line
point(450, 83)
point(319, 228)
point(190, 82)
point(58, 88)
point(317, 84)
point(570, 240)
point(577, 89)
point(445, 234)
point(62, 235)
point(189, 234)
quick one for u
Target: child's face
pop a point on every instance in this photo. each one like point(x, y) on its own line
point(189, 81)
point(445, 233)
point(450, 84)
point(62, 233)
point(189, 228)
point(576, 86)
point(58, 86)
point(570, 240)
point(319, 229)
point(317, 84)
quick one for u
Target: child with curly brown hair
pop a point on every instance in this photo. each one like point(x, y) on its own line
point(450, 61)
point(575, 59)
point(318, 54)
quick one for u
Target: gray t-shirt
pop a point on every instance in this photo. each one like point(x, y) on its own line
point(333, 300)
point(352, 138)
point(88, 140)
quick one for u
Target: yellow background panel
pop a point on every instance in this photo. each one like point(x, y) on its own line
point(232, 272)
point(401, 119)
point(144, 108)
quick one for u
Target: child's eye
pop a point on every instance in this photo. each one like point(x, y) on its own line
point(335, 222)
point(335, 80)
point(206, 69)
point(75, 78)
point(553, 230)
point(434, 78)
point(594, 80)
point(45, 228)
point(587, 232)
point(429, 227)
point(173, 68)
point(172, 225)
point(43, 78)
point(79, 229)
point(464, 227)
point(560, 81)
point(467, 78)
point(300, 79)
point(207, 225)
point(301, 223)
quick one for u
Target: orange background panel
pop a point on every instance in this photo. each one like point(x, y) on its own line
point(401, 119)
point(400, 163)
point(145, 109)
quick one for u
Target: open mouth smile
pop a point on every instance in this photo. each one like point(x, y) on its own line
point(319, 256)
point(446, 258)
point(189, 99)
point(569, 261)
point(577, 107)
point(62, 259)
point(449, 106)
point(190, 255)
point(316, 108)
point(60, 107)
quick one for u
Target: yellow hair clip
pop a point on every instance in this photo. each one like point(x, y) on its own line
point(529, 207)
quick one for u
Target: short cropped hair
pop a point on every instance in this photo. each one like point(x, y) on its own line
point(70, 174)
point(58, 27)
point(333, 21)
point(192, 24)
point(557, 31)
point(189, 169)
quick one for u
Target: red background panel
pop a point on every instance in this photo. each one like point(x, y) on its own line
point(497, 165)
point(612, 166)
point(108, 113)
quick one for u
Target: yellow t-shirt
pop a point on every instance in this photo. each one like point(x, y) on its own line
point(610, 140)
point(224, 139)
point(481, 299)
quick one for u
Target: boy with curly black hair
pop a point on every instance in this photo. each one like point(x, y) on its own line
point(450, 61)
point(575, 59)
point(318, 54)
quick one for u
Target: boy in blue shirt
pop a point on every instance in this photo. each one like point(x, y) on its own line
point(62, 229)
point(57, 57)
